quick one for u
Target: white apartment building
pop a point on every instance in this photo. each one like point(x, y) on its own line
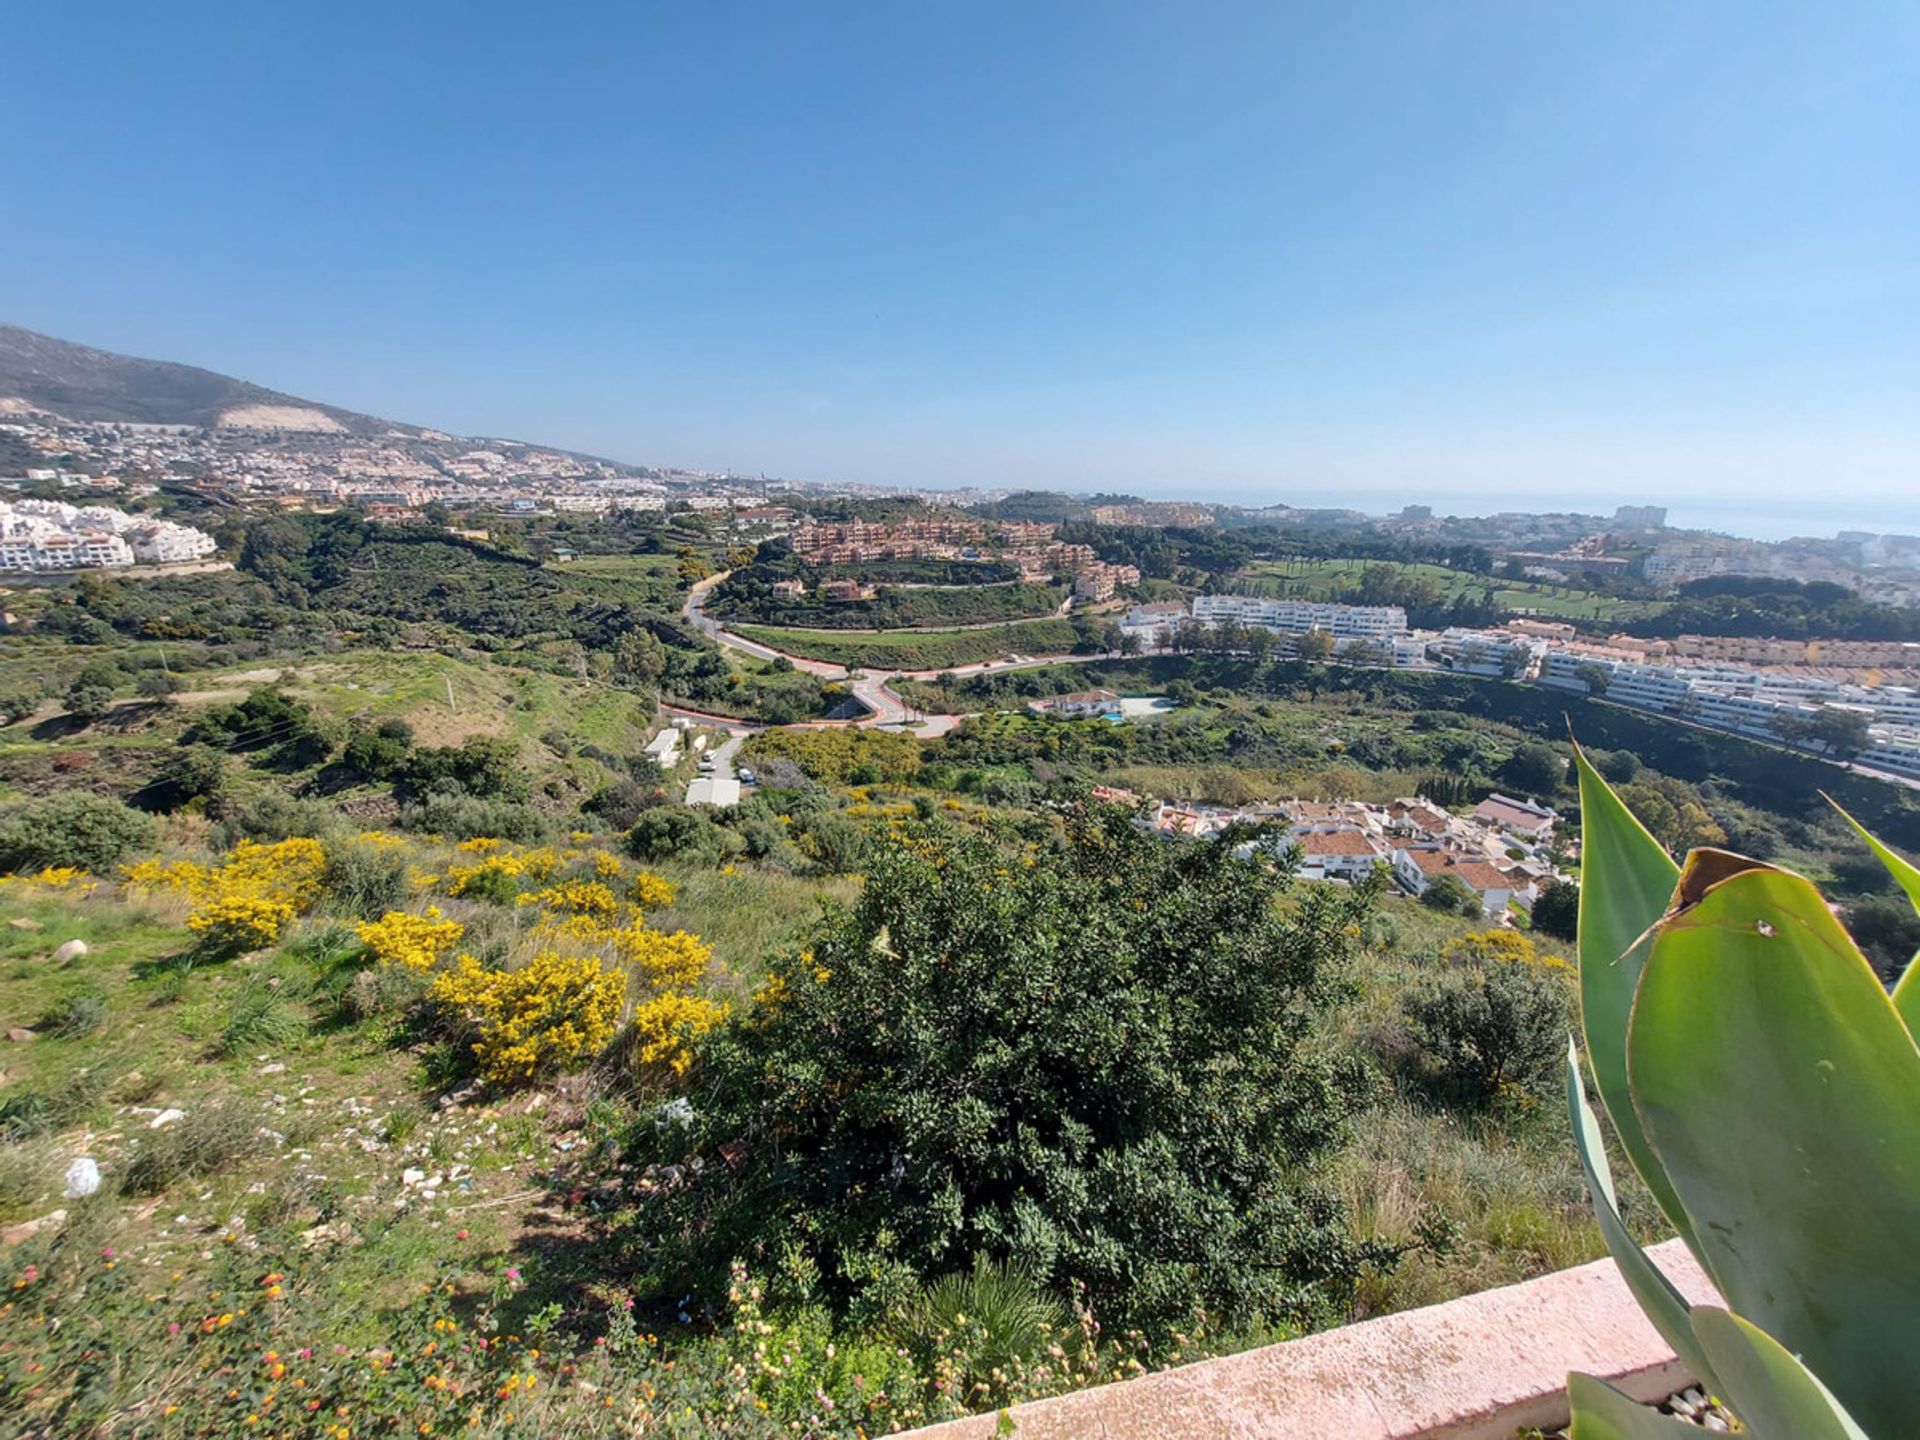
point(1379, 623)
point(164, 543)
point(52, 535)
point(1155, 623)
point(1895, 748)
point(61, 551)
point(1751, 702)
point(1488, 652)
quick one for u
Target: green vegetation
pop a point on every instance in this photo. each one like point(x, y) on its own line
point(747, 595)
point(927, 650)
point(1140, 1136)
point(913, 1082)
point(1432, 592)
point(151, 1018)
point(1703, 1073)
point(1752, 605)
point(71, 830)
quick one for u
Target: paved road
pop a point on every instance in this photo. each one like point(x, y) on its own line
point(718, 786)
point(883, 706)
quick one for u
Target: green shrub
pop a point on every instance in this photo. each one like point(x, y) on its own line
point(383, 990)
point(1451, 895)
point(260, 1018)
point(675, 833)
point(364, 881)
point(467, 817)
point(271, 816)
point(1556, 911)
point(1483, 1027)
point(72, 827)
point(75, 1017)
point(994, 1316)
point(1099, 1063)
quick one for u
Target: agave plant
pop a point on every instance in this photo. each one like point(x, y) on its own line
point(1767, 1089)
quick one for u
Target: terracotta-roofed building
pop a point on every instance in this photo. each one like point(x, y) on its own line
point(1522, 817)
point(1417, 867)
point(1337, 855)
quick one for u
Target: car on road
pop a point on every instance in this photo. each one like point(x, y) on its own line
point(746, 776)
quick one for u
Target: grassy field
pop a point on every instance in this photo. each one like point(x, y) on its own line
point(920, 650)
point(1327, 580)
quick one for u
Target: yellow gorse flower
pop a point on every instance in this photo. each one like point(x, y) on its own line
point(554, 1011)
point(417, 942)
point(248, 899)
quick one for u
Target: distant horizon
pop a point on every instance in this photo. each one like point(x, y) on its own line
point(1764, 520)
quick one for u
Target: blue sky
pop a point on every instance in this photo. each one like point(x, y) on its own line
point(1483, 255)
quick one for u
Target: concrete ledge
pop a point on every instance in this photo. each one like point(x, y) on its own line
point(1478, 1368)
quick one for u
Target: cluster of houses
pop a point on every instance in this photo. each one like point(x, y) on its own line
point(42, 535)
point(1500, 850)
point(1028, 545)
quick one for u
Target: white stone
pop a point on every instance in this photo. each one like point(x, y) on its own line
point(72, 950)
point(83, 1178)
point(410, 1176)
point(169, 1116)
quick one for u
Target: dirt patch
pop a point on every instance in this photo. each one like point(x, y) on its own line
point(280, 417)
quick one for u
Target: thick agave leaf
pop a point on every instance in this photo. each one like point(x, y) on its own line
point(1775, 1396)
point(1601, 1412)
point(1781, 1092)
point(1662, 1304)
point(1906, 994)
point(1626, 883)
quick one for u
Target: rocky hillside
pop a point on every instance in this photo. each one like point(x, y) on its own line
point(81, 383)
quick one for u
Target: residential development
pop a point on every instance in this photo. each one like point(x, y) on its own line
point(41, 535)
point(1501, 850)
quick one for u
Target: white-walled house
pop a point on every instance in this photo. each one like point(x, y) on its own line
point(1416, 867)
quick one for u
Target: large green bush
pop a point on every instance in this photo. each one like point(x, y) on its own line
point(74, 828)
point(1484, 1027)
point(1096, 1061)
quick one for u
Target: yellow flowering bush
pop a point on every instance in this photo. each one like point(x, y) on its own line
point(650, 891)
point(1487, 947)
point(248, 899)
point(668, 962)
point(54, 877)
point(576, 897)
point(415, 942)
point(553, 1012)
point(664, 1026)
point(240, 922)
point(381, 839)
point(500, 872)
point(289, 870)
point(606, 864)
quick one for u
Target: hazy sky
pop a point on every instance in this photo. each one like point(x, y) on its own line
point(1485, 255)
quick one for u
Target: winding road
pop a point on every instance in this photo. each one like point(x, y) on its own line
point(884, 707)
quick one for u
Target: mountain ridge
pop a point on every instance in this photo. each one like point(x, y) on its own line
point(81, 383)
